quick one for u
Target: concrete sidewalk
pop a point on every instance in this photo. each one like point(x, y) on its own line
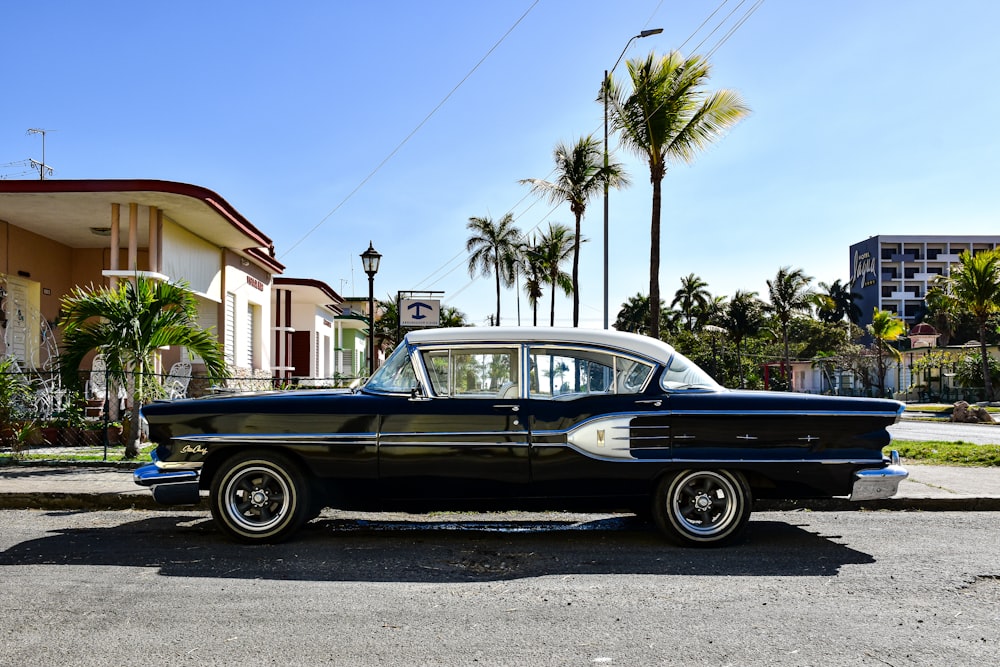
point(78, 486)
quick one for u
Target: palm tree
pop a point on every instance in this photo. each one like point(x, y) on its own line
point(126, 324)
point(836, 302)
point(493, 248)
point(554, 247)
point(789, 294)
point(743, 318)
point(533, 271)
point(634, 315)
point(580, 174)
point(941, 310)
point(974, 287)
point(669, 116)
point(885, 328)
point(693, 298)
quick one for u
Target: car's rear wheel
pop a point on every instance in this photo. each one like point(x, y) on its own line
point(703, 508)
point(260, 497)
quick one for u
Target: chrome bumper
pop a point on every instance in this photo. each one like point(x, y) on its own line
point(170, 487)
point(879, 483)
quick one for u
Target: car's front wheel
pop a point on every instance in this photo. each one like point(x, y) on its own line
point(260, 497)
point(703, 508)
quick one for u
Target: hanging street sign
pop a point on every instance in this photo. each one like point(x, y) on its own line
point(419, 312)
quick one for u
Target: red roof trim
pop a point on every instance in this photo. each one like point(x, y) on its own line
point(310, 282)
point(265, 259)
point(211, 199)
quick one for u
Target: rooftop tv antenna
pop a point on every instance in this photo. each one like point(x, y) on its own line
point(41, 166)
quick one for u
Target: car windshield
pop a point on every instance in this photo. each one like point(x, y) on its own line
point(395, 376)
point(682, 373)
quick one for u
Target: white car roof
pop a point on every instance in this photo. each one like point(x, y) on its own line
point(626, 342)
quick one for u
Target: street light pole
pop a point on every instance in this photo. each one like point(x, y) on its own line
point(370, 260)
point(604, 86)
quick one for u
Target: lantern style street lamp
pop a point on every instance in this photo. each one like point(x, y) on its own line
point(607, 80)
point(369, 260)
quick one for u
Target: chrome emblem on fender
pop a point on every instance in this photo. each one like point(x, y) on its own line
point(194, 449)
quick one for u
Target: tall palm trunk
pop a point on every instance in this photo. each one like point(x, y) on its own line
point(987, 381)
point(654, 260)
point(576, 273)
point(496, 272)
point(739, 361)
point(787, 367)
point(552, 311)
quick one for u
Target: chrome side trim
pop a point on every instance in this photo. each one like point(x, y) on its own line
point(776, 413)
point(456, 443)
point(272, 437)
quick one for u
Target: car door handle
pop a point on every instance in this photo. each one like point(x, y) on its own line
point(655, 402)
point(513, 407)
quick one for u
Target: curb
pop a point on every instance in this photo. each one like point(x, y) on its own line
point(87, 501)
point(959, 504)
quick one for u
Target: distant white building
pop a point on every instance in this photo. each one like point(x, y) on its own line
point(893, 273)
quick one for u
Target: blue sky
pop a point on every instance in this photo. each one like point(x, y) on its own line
point(869, 117)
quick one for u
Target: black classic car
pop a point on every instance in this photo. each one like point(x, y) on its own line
point(520, 418)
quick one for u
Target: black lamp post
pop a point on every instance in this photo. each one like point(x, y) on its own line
point(607, 80)
point(369, 260)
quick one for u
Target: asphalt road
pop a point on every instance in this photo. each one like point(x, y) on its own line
point(825, 588)
point(979, 434)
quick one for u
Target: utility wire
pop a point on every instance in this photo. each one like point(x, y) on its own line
point(461, 254)
point(736, 27)
point(413, 132)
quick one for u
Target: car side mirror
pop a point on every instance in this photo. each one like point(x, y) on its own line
point(417, 393)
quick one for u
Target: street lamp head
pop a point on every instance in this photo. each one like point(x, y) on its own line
point(370, 259)
point(649, 33)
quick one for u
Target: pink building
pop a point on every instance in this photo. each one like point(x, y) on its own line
point(56, 235)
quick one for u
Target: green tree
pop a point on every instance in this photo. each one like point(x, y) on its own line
point(743, 318)
point(667, 115)
point(940, 311)
point(127, 323)
point(969, 370)
point(580, 174)
point(634, 315)
point(692, 298)
point(493, 250)
point(534, 274)
point(836, 301)
point(554, 247)
point(790, 295)
point(885, 328)
point(974, 288)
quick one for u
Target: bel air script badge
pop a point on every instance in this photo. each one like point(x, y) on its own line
point(194, 449)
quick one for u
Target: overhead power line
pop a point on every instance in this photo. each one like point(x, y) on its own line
point(462, 254)
point(413, 132)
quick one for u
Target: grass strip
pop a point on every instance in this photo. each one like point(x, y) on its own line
point(947, 453)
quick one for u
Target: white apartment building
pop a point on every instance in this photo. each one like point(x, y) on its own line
point(893, 273)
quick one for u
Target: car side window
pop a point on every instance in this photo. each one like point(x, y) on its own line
point(473, 372)
point(562, 373)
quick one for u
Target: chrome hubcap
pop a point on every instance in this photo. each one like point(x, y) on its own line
point(258, 498)
point(703, 503)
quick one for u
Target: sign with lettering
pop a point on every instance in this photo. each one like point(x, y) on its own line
point(419, 313)
point(863, 269)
